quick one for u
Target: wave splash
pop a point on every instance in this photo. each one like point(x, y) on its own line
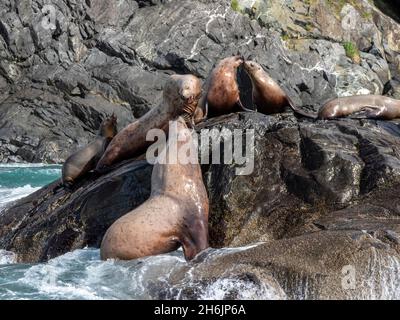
point(82, 275)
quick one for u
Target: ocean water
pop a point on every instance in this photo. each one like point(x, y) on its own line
point(18, 181)
point(82, 275)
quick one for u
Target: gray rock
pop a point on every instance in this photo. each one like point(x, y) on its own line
point(322, 199)
point(124, 53)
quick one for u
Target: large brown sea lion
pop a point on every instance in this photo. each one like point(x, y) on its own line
point(180, 98)
point(363, 106)
point(85, 159)
point(221, 94)
point(176, 213)
point(268, 96)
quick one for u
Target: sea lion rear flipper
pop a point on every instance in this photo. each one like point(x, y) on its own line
point(242, 107)
point(367, 113)
point(299, 111)
point(206, 111)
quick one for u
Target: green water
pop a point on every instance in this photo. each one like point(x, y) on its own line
point(14, 176)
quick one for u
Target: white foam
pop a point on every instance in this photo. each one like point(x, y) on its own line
point(8, 195)
point(241, 290)
point(7, 257)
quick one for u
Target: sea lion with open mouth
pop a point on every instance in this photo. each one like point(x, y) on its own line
point(176, 213)
point(180, 98)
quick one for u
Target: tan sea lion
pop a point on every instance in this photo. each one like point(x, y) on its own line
point(363, 106)
point(176, 213)
point(85, 159)
point(180, 98)
point(200, 115)
point(268, 97)
point(221, 94)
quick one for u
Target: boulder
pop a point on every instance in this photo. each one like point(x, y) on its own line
point(118, 57)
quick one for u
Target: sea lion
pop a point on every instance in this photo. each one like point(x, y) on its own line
point(176, 213)
point(180, 98)
point(200, 115)
point(362, 106)
point(85, 159)
point(221, 94)
point(268, 97)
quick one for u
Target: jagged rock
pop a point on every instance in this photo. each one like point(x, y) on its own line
point(124, 54)
point(345, 264)
point(322, 198)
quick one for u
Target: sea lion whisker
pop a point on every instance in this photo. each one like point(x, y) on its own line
point(174, 104)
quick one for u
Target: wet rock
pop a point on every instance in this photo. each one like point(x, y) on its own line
point(53, 221)
point(346, 264)
point(311, 169)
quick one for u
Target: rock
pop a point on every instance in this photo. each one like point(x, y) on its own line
point(73, 220)
point(50, 128)
point(346, 264)
point(331, 164)
point(322, 199)
point(124, 54)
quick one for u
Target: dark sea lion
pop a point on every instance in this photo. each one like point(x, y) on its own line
point(180, 98)
point(221, 94)
point(176, 213)
point(268, 97)
point(361, 107)
point(85, 159)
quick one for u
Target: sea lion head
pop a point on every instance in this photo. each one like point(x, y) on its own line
point(183, 92)
point(252, 67)
point(234, 62)
point(108, 127)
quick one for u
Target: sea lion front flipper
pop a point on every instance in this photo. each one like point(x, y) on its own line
point(189, 249)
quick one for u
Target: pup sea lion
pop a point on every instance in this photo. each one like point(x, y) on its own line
point(85, 159)
point(180, 98)
point(268, 96)
point(363, 106)
point(222, 93)
point(176, 213)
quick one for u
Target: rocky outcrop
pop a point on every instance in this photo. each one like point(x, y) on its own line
point(322, 198)
point(53, 220)
point(66, 64)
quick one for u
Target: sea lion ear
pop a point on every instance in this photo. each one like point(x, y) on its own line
point(239, 54)
point(250, 57)
point(113, 117)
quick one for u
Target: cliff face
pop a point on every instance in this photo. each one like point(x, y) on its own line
point(323, 195)
point(65, 64)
